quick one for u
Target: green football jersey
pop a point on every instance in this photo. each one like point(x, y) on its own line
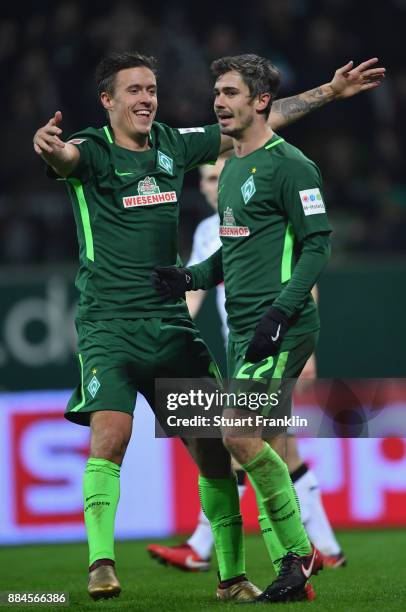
point(269, 202)
point(126, 207)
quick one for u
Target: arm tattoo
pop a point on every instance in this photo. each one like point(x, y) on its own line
point(295, 107)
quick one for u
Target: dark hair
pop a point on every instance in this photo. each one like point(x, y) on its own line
point(111, 64)
point(258, 73)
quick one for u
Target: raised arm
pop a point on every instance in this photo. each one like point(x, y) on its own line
point(63, 157)
point(346, 82)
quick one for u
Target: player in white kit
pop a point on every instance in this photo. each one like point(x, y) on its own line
point(206, 241)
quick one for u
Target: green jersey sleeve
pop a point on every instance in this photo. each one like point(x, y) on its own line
point(93, 155)
point(302, 198)
point(201, 145)
point(312, 261)
point(209, 272)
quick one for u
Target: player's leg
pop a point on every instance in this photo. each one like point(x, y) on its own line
point(275, 495)
point(201, 541)
point(110, 434)
point(275, 549)
point(183, 354)
point(104, 400)
point(194, 554)
point(237, 368)
point(314, 516)
point(217, 482)
point(269, 476)
point(220, 502)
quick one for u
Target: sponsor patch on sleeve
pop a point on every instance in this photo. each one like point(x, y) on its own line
point(312, 201)
point(189, 130)
point(77, 141)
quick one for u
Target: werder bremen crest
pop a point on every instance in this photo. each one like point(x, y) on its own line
point(165, 162)
point(93, 386)
point(148, 186)
point(248, 189)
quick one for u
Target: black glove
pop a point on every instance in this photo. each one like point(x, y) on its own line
point(171, 282)
point(268, 336)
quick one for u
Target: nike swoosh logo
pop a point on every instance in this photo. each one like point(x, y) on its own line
point(96, 495)
point(274, 338)
point(123, 173)
point(279, 509)
point(192, 564)
point(308, 572)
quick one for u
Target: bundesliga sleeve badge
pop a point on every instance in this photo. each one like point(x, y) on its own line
point(312, 201)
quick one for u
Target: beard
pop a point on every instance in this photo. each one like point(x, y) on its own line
point(232, 132)
point(237, 131)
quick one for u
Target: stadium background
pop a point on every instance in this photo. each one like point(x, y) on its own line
point(47, 57)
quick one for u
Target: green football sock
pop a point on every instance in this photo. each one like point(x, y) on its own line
point(275, 549)
point(272, 484)
point(101, 492)
point(221, 505)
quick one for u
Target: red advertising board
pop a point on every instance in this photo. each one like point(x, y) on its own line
point(56, 472)
point(363, 482)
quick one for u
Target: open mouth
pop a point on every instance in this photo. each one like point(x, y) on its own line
point(143, 113)
point(224, 118)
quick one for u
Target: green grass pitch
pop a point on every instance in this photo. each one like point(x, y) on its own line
point(373, 581)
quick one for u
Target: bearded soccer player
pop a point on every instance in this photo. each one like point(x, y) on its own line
point(124, 181)
point(195, 554)
point(275, 243)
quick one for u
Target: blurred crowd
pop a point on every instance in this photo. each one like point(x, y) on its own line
point(48, 52)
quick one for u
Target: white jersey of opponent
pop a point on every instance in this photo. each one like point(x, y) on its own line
point(206, 241)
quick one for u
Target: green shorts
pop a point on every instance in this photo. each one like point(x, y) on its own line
point(279, 372)
point(119, 357)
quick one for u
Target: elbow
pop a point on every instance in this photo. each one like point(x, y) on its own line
point(324, 252)
point(318, 246)
point(318, 243)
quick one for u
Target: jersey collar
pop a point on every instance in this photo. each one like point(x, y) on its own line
point(162, 161)
point(108, 133)
point(275, 140)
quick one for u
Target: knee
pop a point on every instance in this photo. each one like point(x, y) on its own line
point(211, 456)
point(235, 446)
point(111, 447)
point(244, 449)
point(109, 443)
